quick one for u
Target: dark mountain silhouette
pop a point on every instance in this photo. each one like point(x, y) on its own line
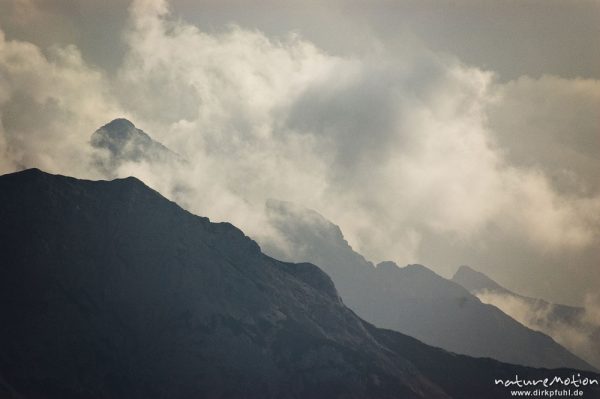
point(123, 142)
point(572, 326)
point(108, 290)
point(412, 299)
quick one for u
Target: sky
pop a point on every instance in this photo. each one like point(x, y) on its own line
point(434, 132)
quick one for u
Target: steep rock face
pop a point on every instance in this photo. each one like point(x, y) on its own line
point(571, 326)
point(413, 299)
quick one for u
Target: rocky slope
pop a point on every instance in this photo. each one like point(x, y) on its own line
point(108, 290)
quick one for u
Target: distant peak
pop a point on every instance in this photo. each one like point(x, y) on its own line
point(116, 133)
point(303, 218)
point(466, 269)
point(474, 280)
point(414, 269)
point(417, 268)
point(125, 142)
point(119, 124)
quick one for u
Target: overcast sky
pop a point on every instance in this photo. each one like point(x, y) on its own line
point(443, 133)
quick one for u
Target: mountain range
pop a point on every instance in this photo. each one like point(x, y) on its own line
point(572, 326)
point(412, 299)
point(109, 290)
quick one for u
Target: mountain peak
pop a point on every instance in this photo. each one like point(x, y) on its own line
point(308, 224)
point(43, 174)
point(30, 172)
point(117, 133)
point(465, 269)
point(418, 268)
point(387, 265)
point(52, 184)
point(474, 280)
point(119, 125)
point(126, 143)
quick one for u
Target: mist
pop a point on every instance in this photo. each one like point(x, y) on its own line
point(400, 147)
point(579, 334)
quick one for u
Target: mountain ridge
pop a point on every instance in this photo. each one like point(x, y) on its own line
point(569, 325)
point(109, 290)
point(352, 273)
point(413, 299)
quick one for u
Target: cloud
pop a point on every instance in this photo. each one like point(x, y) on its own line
point(392, 146)
point(48, 102)
point(577, 331)
point(552, 124)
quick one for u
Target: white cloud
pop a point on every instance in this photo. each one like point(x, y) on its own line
point(391, 147)
point(49, 102)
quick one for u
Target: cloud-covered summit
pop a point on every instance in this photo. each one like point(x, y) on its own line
point(409, 150)
point(120, 141)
